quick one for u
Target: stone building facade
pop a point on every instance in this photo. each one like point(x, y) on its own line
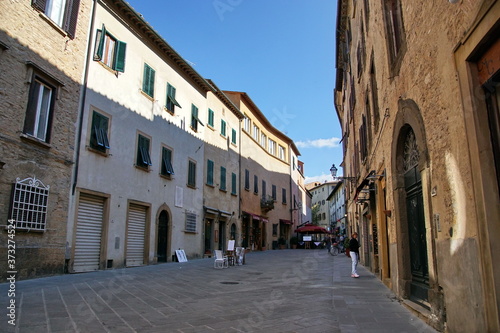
point(42, 53)
point(417, 97)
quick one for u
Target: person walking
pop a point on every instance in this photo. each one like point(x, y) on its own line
point(354, 252)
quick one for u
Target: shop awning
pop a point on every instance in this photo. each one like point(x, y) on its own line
point(211, 210)
point(224, 213)
point(312, 229)
point(254, 216)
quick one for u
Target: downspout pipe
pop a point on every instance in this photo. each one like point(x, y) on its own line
point(83, 97)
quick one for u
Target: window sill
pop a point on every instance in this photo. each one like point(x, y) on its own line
point(109, 69)
point(234, 194)
point(167, 177)
point(98, 152)
point(172, 113)
point(193, 129)
point(223, 136)
point(191, 186)
point(53, 24)
point(247, 189)
point(190, 232)
point(146, 95)
point(223, 190)
point(34, 140)
point(140, 167)
point(210, 185)
point(211, 127)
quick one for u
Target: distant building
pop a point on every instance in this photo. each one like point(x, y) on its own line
point(338, 216)
point(271, 203)
point(320, 193)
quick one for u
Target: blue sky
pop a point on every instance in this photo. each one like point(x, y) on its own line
point(280, 52)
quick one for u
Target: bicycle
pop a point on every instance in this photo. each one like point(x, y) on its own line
point(334, 249)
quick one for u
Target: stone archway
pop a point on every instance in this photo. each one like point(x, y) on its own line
point(410, 182)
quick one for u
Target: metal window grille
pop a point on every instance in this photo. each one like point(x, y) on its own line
point(190, 222)
point(29, 204)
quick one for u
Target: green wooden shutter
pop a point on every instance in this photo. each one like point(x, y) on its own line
point(222, 178)
point(148, 80)
point(210, 172)
point(211, 117)
point(233, 183)
point(234, 136)
point(192, 174)
point(223, 127)
point(101, 35)
point(120, 50)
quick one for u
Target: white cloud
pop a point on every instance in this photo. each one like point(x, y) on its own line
point(320, 179)
point(319, 143)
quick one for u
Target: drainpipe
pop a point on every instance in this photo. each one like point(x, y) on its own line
point(83, 97)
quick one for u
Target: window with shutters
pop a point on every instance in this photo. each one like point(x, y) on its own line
point(211, 116)
point(171, 102)
point(255, 184)
point(234, 184)
point(28, 206)
point(99, 139)
point(222, 186)
point(194, 118)
point(283, 195)
point(233, 136)
point(143, 157)
point(40, 109)
point(210, 172)
point(109, 50)
point(148, 81)
point(273, 194)
point(190, 222)
point(191, 174)
point(247, 179)
point(64, 13)
point(396, 39)
point(223, 128)
point(167, 169)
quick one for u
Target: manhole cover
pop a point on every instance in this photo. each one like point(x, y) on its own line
point(229, 282)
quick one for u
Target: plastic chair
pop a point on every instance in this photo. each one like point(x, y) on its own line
point(220, 260)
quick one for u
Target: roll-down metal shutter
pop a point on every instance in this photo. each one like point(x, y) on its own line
point(88, 233)
point(136, 227)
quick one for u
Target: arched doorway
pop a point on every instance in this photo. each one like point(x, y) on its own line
point(162, 241)
point(415, 218)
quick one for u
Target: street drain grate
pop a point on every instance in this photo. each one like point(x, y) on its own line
point(229, 282)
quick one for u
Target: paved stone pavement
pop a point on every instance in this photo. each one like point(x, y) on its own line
point(276, 291)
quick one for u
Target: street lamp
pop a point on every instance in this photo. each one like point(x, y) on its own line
point(333, 171)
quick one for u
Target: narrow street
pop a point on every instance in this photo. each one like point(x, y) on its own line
point(275, 291)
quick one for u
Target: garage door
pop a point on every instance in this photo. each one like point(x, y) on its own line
point(136, 230)
point(88, 233)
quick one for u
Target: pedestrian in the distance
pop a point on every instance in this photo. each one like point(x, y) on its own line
point(354, 251)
